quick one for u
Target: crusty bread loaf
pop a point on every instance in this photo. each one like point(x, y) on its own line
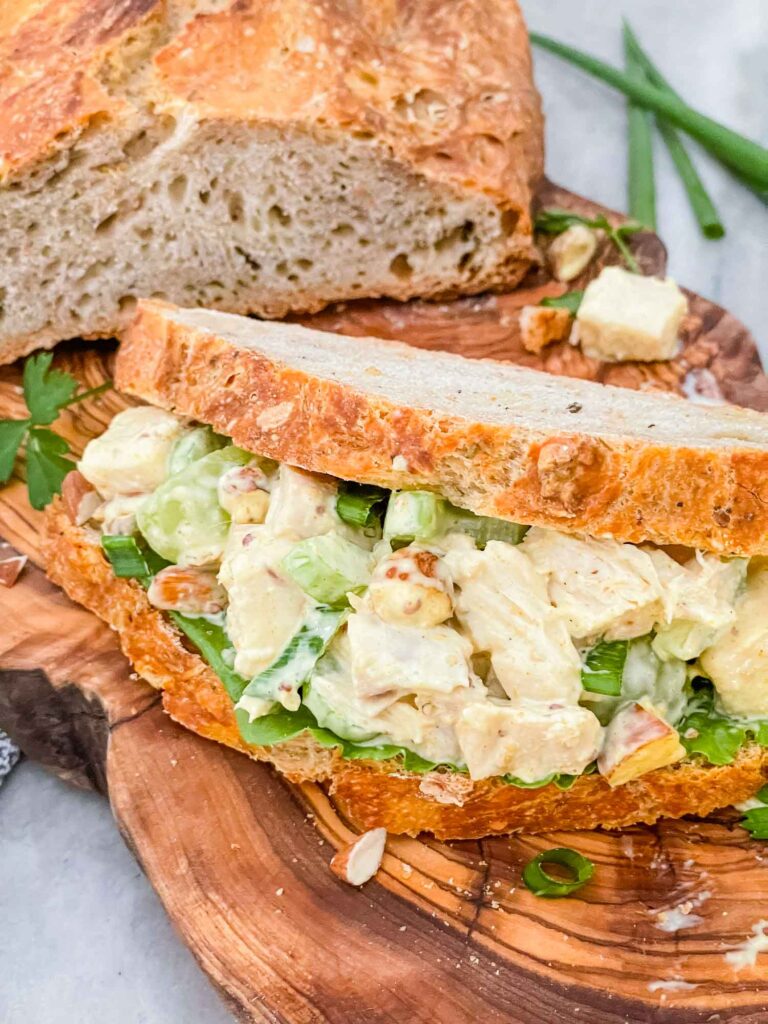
point(374, 793)
point(257, 155)
point(498, 439)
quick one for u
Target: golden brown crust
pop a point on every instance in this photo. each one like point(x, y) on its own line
point(370, 793)
point(444, 89)
point(631, 488)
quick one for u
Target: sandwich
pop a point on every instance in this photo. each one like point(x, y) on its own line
point(468, 597)
point(259, 156)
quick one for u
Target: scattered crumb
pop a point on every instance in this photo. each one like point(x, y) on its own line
point(279, 892)
point(407, 870)
point(745, 954)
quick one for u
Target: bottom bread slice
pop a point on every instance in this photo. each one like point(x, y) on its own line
point(375, 793)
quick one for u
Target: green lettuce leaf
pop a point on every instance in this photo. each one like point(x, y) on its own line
point(704, 730)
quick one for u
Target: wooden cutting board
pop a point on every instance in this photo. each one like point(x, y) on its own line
point(446, 934)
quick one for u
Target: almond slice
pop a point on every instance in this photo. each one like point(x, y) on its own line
point(10, 569)
point(358, 862)
point(80, 499)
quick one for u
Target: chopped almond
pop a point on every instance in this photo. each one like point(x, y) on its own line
point(358, 862)
point(80, 499)
point(187, 589)
point(10, 569)
point(542, 325)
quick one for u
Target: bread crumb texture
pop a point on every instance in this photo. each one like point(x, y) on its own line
point(257, 156)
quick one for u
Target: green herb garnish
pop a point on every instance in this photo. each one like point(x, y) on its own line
point(554, 222)
point(701, 203)
point(641, 185)
point(570, 301)
point(541, 883)
point(361, 505)
point(46, 393)
point(736, 151)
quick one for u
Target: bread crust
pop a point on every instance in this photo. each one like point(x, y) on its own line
point(369, 793)
point(628, 487)
point(446, 88)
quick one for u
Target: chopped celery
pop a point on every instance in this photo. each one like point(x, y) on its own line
point(193, 445)
point(361, 505)
point(327, 718)
point(182, 520)
point(483, 528)
point(413, 515)
point(125, 555)
point(328, 567)
point(282, 680)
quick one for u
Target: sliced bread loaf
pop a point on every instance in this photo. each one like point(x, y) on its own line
point(499, 439)
point(257, 156)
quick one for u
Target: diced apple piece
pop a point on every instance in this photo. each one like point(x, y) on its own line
point(637, 741)
point(187, 589)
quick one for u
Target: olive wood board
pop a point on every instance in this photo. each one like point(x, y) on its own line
point(446, 933)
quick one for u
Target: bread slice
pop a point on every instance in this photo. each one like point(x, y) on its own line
point(257, 155)
point(376, 793)
point(501, 440)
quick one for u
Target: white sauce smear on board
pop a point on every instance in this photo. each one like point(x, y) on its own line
point(673, 985)
point(745, 955)
point(680, 917)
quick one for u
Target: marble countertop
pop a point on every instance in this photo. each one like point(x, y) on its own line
point(82, 936)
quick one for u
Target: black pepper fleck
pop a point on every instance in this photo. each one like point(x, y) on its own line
point(575, 407)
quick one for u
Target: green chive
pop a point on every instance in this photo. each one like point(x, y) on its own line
point(541, 883)
point(735, 150)
point(125, 555)
point(603, 670)
point(641, 186)
point(701, 203)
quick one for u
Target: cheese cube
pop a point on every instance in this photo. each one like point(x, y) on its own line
point(627, 316)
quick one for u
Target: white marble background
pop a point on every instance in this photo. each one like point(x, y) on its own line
point(82, 936)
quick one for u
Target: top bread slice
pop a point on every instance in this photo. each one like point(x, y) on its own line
point(258, 156)
point(498, 439)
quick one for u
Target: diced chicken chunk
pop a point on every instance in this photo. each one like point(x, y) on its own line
point(302, 505)
point(737, 663)
point(131, 456)
point(389, 660)
point(266, 608)
point(503, 605)
point(529, 741)
point(628, 316)
point(602, 587)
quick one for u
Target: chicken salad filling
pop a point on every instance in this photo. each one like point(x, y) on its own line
point(395, 624)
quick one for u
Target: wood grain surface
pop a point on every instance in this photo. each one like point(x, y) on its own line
point(446, 933)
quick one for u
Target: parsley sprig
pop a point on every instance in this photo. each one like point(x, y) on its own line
point(46, 393)
point(555, 222)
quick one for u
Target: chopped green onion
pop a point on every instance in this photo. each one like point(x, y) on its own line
point(413, 515)
point(731, 148)
point(328, 567)
point(483, 528)
point(701, 203)
point(282, 680)
point(570, 301)
point(125, 556)
point(541, 883)
point(641, 186)
point(361, 505)
point(603, 668)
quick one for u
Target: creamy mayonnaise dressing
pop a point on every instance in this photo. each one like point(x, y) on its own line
point(465, 656)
